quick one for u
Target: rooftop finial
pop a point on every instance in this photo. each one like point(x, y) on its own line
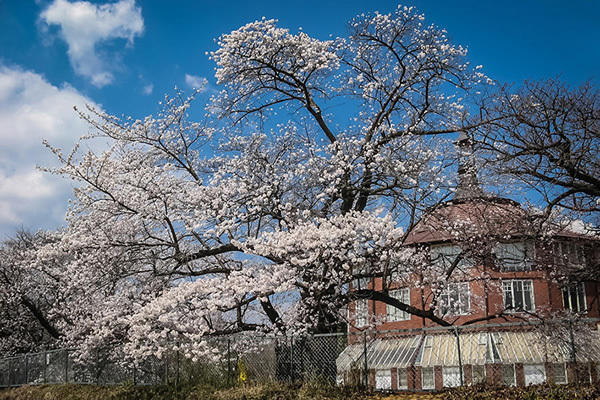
point(468, 185)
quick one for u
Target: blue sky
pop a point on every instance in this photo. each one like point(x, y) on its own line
point(125, 55)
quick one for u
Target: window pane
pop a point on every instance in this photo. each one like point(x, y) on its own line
point(518, 295)
point(508, 296)
point(395, 314)
point(581, 298)
point(451, 376)
point(478, 373)
point(402, 378)
point(508, 374)
point(383, 379)
point(535, 374)
point(428, 378)
point(560, 373)
point(361, 312)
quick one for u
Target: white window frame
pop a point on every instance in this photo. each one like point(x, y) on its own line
point(361, 313)
point(462, 291)
point(477, 378)
point(515, 256)
point(508, 286)
point(445, 254)
point(579, 292)
point(568, 253)
point(394, 314)
point(402, 378)
point(383, 379)
point(360, 283)
point(564, 379)
point(428, 370)
point(450, 376)
point(534, 374)
point(513, 381)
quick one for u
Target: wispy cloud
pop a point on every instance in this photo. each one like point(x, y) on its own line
point(196, 82)
point(32, 109)
point(147, 90)
point(83, 26)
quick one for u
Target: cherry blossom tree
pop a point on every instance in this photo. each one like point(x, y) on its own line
point(28, 294)
point(311, 162)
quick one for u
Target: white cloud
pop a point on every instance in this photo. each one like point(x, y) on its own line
point(32, 109)
point(148, 89)
point(84, 25)
point(195, 82)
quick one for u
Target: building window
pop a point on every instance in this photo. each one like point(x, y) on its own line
point(568, 253)
point(444, 255)
point(560, 373)
point(574, 298)
point(455, 299)
point(508, 374)
point(514, 256)
point(402, 378)
point(478, 373)
point(360, 283)
point(393, 313)
point(451, 376)
point(518, 295)
point(428, 378)
point(535, 374)
point(383, 379)
point(361, 312)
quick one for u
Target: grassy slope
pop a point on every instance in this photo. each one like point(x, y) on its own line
point(286, 392)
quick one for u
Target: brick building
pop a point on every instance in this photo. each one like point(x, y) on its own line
point(502, 267)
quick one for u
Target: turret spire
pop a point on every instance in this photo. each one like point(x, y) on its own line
point(468, 184)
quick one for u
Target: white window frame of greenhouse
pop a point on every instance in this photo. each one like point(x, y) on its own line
point(430, 382)
point(394, 314)
point(513, 379)
point(445, 254)
point(515, 256)
point(535, 374)
point(461, 304)
point(383, 379)
point(560, 378)
point(450, 376)
point(477, 373)
point(508, 287)
point(361, 313)
point(402, 378)
point(574, 298)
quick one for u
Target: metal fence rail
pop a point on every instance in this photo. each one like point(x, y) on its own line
point(559, 351)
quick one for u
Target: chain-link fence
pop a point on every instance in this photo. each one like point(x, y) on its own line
point(565, 351)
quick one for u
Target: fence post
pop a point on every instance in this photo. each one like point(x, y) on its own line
point(573, 353)
point(26, 369)
point(460, 366)
point(10, 372)
point(177, 362)
point(45, 365)
point(365, 356)
point(229, 362)
point(66, 366)
point(292, 358)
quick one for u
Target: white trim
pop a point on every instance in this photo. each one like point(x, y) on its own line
point(394, 314)
point(427, 387)
point(512, 282)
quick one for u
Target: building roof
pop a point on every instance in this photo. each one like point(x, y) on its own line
point(471, 217)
